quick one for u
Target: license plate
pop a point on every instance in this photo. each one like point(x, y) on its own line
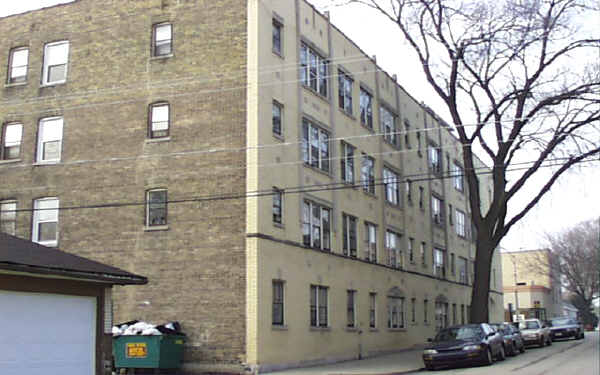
point(558, 334)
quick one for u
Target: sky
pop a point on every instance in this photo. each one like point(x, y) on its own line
point(574, 198)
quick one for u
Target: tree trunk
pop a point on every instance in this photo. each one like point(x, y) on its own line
point(481, 282)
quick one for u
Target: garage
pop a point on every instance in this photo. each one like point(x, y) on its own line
point(55, 310)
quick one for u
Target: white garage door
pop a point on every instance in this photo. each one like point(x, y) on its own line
point(47, 334)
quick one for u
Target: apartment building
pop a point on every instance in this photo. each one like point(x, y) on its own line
point(289, 201)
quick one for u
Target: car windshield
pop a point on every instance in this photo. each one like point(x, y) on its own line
point(561, 321)
point(532, 324)
point(459, 333)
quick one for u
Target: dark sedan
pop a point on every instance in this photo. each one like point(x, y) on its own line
point(464, 344)
point(513, 341)
point(562, 328)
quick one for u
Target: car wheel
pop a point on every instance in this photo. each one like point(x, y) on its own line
point(522, 348)
point(513, 349)
point(542, 342)
point(429, 367)
point(488, 357)
point(549, 341)
point(582, 335)
point(501, 353)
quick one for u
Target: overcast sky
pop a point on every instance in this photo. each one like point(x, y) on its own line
point(574, 198)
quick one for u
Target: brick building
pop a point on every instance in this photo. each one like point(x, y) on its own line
point(288, 200)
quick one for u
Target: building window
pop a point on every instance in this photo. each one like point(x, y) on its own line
point(441, 315)
point(277, 303)
point(371, 242)
point(460, 224)
point(450, 217)
point(277, 117)
point(372, 310)
point(388, 125)
point(315, 146)
point(457, 178)
point(419, 150)
point(159, 120)
point(366, 108)
point(349, 227)
point(11, 136)
point(395, 312)
point(411, 250)
point(408, 185)
point(425, 312)
point(345, 92)
point(56, 59)
point(347, 161)
point(17, 65)
point(423, 253)
point(463, 272)
point(439, 266)
point(435, 159)
point(392, 186)
point(421, 194)
point(156, 207)
point(50, 135)
point(436, 210)
point(8, 217)
point(452, 264)
point(350, 308)
point(318, 306)
point(392, 245)
point(277, 40)
point(162, 36)
point(462, 314)
point(45, 221)
point(313, 70)
point(316, 226)
point(407, 134)
point(454, 316)
point(367, 173)
point(277, 206)
point(413, 308)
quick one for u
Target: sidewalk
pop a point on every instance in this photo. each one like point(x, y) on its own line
point(402, 362)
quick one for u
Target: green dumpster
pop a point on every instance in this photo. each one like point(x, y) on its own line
point(158, 352)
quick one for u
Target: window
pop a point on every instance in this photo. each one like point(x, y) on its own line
point(156, 207)
point(318, 306)
point(8, 217)
point(45, 221)
point(462, 314)
point(315, 146)
point(460, 224)
point(388, 125)
point(162, 36)
point(347, 161)
point(452, 264)
point(315, 225)
point(436, 210)
point(50, 135)
point(277, 206)
point(392, 245)
point(409, 191)
point(441, 315)
point(419, 152)
point(425, 303)
point(392, 188)
point(350, 309)
point(457, 178)
point(11, 137)
point(413, 308)
point(371, 242)
point(407, 134)
point(368, 174)
point(395, 312)
point(313, 70)
point(349, 235)
point(463, 271)
point(423, 253)
point(450, 219)
point(56, 59)
point(439, 267)
point(366, 108)
point(159, 120)
point(277, 116)
point(277, 33)
point(17, 65)
point(345, 92)
point(372, 310)
point(411, 250)
point(454, 316)
point(435, 159)
point(277, 303)
point(421, 193)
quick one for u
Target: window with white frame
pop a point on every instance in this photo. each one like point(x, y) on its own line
point(277, 311)
point(441, 315)
point(367, 174)
point(388, 125)
point(457, 178)
point(316, 225)
point(45, 221)
point(351, 308)
point(159, 120)
point(347, 161)
point(460, 223)
point(391, 180)
point(463, 271)
point(11, 137)
point(395, 312)
point(277, 206)
point(349, 231)
point(313, 70)
point(392, 245)
point(50, 134)
point(56, 60)
point(8, 217)
point(345, 92)
point(318, 306)
point(315, 146)
point(436, 210)
point(366, 108)
point(17, 65)
point(439, 262)
point(372, 310)
point(156, 207)
point(370, 242)
point(435, 159)
point(162, 39)
point(277, 37)
point(277, 115)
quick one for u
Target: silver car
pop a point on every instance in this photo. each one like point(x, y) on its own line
point(535, 332)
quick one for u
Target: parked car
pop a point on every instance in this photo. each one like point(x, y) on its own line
point(565, 327)
point(535, 332)
point(513, 340)
point(464, 344)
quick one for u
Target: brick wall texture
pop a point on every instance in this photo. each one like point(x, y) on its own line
point(196, 268)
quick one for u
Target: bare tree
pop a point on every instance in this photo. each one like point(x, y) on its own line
point(521, 86)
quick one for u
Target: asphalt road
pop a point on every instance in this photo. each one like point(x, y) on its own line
point(570, 357)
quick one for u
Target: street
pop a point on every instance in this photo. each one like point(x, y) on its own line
point(580, 357)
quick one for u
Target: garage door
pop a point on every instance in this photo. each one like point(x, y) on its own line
point(47, 334)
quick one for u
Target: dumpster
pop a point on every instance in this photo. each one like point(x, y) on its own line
point(157, 352)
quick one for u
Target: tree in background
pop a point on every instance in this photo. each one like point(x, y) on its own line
point(521, 85)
